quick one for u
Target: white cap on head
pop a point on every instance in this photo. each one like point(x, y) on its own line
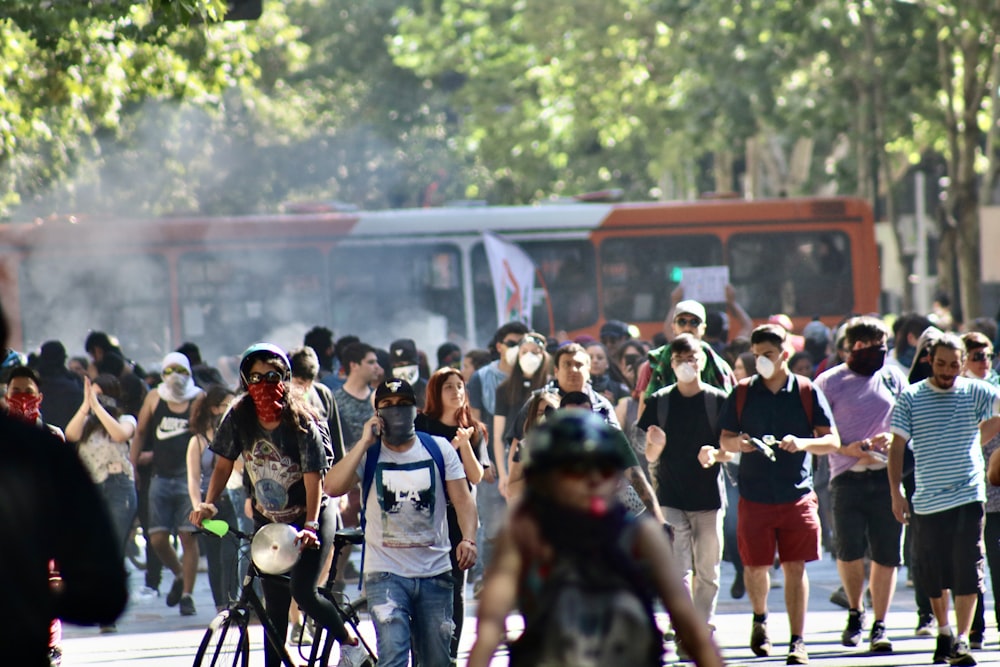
point(690, 307)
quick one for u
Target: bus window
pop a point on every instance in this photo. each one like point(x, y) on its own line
point(230, 299)
point(638, 273)
point(128, 296)
point(568, 269)
point(801, 274)
point(383, 292)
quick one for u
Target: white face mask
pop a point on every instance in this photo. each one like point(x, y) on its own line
point(409, 373)
point(765, 367)
point(530, 363)
point(686, 373)
point(510, 356)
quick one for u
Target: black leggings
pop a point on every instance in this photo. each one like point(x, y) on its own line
point(459, 577)
point(223, 573)
point(304, 575)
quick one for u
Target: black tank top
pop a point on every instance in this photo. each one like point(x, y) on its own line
point(168, 437)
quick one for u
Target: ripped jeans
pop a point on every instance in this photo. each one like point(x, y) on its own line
point(398, 604)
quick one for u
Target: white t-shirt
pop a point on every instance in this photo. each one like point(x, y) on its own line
point(102, 456)
point(406, 529)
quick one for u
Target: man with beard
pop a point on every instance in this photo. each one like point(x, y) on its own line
point(406, 478)
point(946, 418)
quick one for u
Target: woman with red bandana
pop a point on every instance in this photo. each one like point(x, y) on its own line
point(24, 402)
point(285, 457)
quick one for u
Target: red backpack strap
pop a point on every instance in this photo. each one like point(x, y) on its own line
point(742, 387)
point(806, 396)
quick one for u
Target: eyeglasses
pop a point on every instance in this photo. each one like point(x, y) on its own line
point(981, 356)
point(170, 370)
point(512, 343)
point(685, 322)
point(270, 377)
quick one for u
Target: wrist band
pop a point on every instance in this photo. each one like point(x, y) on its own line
point(472, 542)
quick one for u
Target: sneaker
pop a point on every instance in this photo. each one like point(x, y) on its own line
point(55, 656)
point(925, 626)
point(176, 590)
point(797, 654)
point(851, 636)
point(187, 606)
point(147, 593)
point(975, 640)
point(839, 598)
point(960, 654)
point(942, 650)
point(301, 635)
point(878, 641)
point(109, 629)
point(760, 643)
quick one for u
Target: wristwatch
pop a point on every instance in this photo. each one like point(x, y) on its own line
point(312, 525)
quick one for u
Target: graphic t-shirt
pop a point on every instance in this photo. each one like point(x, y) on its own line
point(407, 530)
point(274, 463)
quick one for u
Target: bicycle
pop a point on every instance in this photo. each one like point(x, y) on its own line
point(226, 642)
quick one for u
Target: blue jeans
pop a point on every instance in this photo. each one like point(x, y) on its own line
point(399, 604)
point(120, 498)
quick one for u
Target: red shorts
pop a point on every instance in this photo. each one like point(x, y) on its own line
point(791, 527)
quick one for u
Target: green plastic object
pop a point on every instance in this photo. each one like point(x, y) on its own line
point(216, 526)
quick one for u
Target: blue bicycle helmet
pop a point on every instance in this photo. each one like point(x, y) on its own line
point(266, 352)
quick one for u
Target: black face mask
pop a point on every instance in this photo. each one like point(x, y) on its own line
point(398, 423)
point(866, 361)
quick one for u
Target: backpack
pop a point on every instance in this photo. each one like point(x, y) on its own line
point(663, 407)
point(805, 395)
point(371, 462)
point(590, 619)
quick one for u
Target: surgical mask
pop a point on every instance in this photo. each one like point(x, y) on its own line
point(510, 355)
point(686, 373)
point(409, 373)
point(867, 360)
point(765, 367)
point(268, 400)
point(530, 362)
point(397, 422)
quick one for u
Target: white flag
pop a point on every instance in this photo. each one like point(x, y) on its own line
point(513, 275)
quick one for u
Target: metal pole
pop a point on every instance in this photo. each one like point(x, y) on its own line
point(920, 297)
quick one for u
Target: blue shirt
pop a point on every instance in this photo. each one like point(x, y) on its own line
point(943, 428)
point(789, 477)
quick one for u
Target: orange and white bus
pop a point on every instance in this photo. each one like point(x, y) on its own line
point(223, 282)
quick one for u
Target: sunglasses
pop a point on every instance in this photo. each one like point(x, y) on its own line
point(270, 377)
point(170, 370)
point(686, 321)
point(981, 356)
point(512, 343)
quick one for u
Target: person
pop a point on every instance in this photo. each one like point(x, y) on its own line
point(979, 355)
point(473, 361)
point(280, 441)
point(320, 339)
point(102, 433)
point(801, 363)
point(449, 355)
point(680, 422)
point(612, 333)
point(907, 331)
point(63, 389)
point(447, 415)
point(406, 363)
point(220, 555)
point(407, 568)
point(777, 506)
point(687, 316)
point(572, 374)
point(582, 571)
point(162, 441)
point(945, 418)
point(540, 406)
point(862, 394)
point(203, 374)
point(305, 371)
point(605, 377)
point(744, 366)
point(49, 503)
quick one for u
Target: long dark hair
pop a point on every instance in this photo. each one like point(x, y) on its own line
point(111, 388)
point(434, 407)
point(518, 388)
point(295, 412)
point(201, 415)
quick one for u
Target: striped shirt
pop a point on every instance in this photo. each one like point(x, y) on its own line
point(943, 429)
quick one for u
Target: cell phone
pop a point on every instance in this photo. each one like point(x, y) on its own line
point(763, 448)
point(375, 430)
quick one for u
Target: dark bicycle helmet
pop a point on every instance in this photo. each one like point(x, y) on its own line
point(573, 437)
point(266, 352)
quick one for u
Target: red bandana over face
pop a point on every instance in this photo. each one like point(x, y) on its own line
point(25, 406)
point(267, 400)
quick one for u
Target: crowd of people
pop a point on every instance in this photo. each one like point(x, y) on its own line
point(537, 465)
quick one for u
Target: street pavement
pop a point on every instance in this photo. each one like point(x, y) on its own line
point(150, 634)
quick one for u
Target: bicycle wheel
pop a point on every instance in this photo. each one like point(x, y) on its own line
point(226, 642)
